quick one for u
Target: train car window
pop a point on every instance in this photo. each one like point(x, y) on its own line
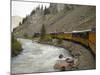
point(82, 35)
point(75, 34)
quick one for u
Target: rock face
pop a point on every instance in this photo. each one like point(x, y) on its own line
point(58, 18)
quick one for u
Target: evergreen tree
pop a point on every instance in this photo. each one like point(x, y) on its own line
point(25, 19)
point(42, 7)
point(38, 8)
point(33, 12)
point(43, 32)
point(20, 23)
point(66, 8)
point(46, 11)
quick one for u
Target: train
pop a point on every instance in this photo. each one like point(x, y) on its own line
point(85, 37)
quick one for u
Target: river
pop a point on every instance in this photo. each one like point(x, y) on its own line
point(36, 57)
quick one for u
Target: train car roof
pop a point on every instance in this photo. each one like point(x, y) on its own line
point(72, 31)
point(81, 31)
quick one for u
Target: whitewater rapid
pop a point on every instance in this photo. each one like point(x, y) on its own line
point(36, 57)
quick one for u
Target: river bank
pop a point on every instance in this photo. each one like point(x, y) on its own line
point(86, 59)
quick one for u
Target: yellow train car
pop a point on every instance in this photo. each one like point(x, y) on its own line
point(86, 38)
point(81, 37)
point(92, 41)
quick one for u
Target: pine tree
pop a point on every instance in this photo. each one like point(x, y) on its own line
point(66, 8)
point(46, 11)
point(42, 7)
point(20, 23)
point(43, 32)
point(33, 12)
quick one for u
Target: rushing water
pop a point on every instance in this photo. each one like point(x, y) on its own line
point(36, 57)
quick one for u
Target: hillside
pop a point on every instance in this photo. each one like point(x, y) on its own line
point(65, 19)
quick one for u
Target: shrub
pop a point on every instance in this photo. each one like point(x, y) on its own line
point(15, 47)
point(25, 35)
point(59, 41)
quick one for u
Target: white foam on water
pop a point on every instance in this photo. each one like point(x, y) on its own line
point(36, 57)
